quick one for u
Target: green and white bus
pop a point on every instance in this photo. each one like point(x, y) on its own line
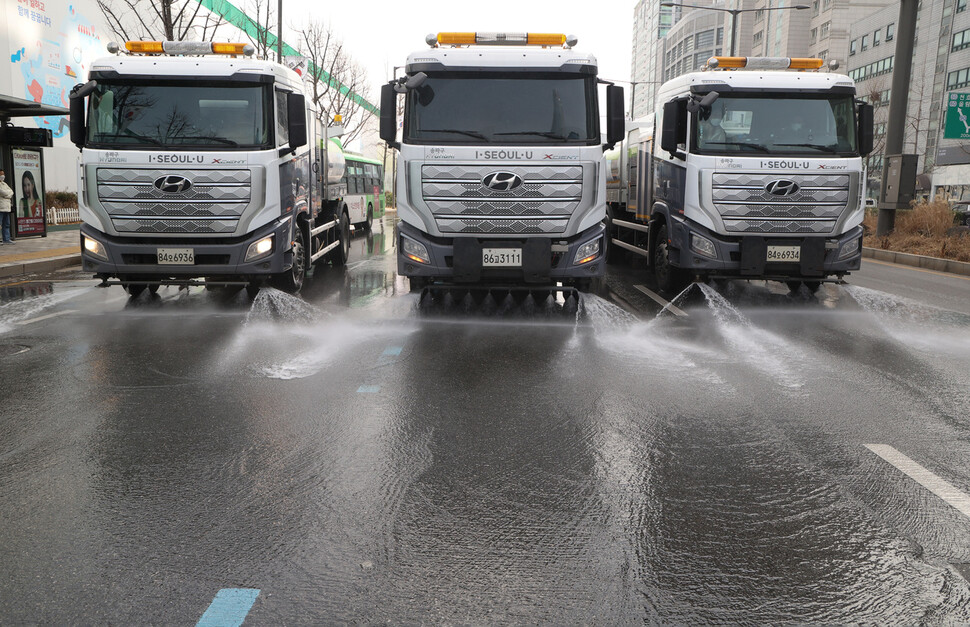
point(364, 178)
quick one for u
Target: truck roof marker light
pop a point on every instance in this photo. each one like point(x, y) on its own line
point(765, 63)
point(233, 48)
point(500, 39)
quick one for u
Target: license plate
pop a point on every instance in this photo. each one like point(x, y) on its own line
point(502, 257)
point(785, 253)
point(176, 256)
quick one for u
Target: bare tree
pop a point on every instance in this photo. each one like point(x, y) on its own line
point(263, 17)
point(338, 81)
point(168, 20)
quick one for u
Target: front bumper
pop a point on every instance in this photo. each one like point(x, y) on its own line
point(459, 260)
point(745, 256)
point(223, 257)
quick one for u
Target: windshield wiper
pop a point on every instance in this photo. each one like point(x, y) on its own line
point(750, 145)
point(221, 140)
point(474, 134)
point(131, 133)
point(549, 134)
point(816, 146)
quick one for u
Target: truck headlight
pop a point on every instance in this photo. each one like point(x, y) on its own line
point(702, 246)
point(850, 248)
point(415, 251)
point(587, 252)
point(260, 248)
point(95, 248)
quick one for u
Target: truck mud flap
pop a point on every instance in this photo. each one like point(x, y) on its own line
point(506, 301)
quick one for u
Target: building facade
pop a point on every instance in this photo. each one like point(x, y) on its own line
point(48, 46)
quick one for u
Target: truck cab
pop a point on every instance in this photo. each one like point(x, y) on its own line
point(501, 173)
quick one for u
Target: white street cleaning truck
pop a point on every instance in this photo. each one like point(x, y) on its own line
point(749, 169)
point(501, 176)
point(202, 166)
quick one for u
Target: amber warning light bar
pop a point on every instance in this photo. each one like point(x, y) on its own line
point(501, 39)
point(765, 63)
point(184, 48)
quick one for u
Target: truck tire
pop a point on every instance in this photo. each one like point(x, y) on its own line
point(291, 281)
point(339, 255)
point(670, 278)
point(611, 253)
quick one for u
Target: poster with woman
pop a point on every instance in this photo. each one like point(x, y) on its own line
point(28, 184)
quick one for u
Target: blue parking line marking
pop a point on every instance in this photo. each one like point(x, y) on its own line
point(393, 350)
point(369, 389)
point(229, 608)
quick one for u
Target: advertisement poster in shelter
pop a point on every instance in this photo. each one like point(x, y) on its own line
point(28, 184)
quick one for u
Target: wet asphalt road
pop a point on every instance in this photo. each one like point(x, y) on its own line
point(766, 458)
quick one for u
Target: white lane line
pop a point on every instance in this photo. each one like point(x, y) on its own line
point(47, 317)
point(666, 304)
point(937, 485)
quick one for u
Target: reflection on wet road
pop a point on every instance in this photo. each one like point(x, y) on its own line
point(344, 458)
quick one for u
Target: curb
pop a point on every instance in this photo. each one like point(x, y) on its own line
point(918, 261)
point(39, 265)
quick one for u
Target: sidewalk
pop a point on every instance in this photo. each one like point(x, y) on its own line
point(28, 255)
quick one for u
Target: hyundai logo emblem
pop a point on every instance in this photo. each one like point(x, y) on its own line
point(782, 187)
point(502, 181)
point(172, 184)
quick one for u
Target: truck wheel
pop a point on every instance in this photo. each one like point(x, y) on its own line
point(813, 285)
point(134, 289)
point(612, 253)
point(370, 218)
point(670, 279)
point(291, 280)
point(339, 255)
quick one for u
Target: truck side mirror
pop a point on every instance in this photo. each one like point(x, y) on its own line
point(389, 115)
point(866, 128)
point(296, 117)
point(615, 123)
point(78, 129)
point(674, 129)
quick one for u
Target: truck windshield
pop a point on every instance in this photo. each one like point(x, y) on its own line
point(226, 115)
point(529, 108)
point(784, 124)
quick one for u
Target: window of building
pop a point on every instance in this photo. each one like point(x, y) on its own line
point(704, 39)
point(890, 32)
point(822, 55)
point(852, 44)
point(815, 4)
point(961, 40)
point(826, 4)
point(824, 32)
point(720, 35)
point(758, 37)
point(814, 36)
point(958, 79)
point(875, 38)
point(760, 15)
point(961, 6)
point(865, 42)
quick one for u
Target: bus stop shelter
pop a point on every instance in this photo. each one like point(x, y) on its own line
point(22, 159)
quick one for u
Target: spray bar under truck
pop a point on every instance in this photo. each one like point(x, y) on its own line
point(200, 163)
point(501, 172)
point(752, 170)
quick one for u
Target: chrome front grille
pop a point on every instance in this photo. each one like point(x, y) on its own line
point(745, 205)
point(462, 203)
point(213, 204)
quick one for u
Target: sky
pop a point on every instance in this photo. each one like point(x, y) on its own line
point(381, 33)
